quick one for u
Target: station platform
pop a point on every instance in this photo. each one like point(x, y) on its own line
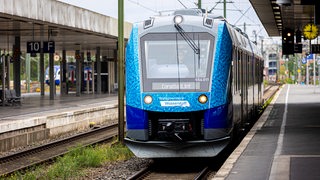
point(38, 118)
point(284, 143)
point(35, 103)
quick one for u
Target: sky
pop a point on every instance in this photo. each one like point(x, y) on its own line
point(238, 11)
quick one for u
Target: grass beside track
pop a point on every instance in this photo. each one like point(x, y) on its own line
point(74, 164)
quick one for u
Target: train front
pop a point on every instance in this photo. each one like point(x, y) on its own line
point(174, 107)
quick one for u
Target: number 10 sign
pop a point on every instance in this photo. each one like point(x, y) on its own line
point(35, 47)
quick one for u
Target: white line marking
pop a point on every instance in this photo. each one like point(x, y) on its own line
point(283, 124)
point(280, 165)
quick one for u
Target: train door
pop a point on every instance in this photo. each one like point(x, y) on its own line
point(246, 73)
point(244, 97)
point(236, 86)
point(251, 88)
point(260, 80)
point(242, 91)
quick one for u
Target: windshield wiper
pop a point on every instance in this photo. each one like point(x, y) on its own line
point(190, 41)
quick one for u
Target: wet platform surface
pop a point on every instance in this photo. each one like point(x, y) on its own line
point(285, 142)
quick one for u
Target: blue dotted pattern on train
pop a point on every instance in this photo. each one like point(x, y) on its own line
point(222, 63)
point(133, 81)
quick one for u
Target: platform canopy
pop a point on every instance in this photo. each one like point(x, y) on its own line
point(70, 27)
point(277, 15)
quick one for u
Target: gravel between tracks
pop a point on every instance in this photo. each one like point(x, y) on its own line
point(118, 170)
point(112, 170)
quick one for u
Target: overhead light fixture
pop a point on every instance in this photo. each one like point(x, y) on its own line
point(284, 2)
point(178, 19)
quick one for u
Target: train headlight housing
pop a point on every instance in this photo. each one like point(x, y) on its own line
point(147, 99)
point(178, 19)
point(203, 99)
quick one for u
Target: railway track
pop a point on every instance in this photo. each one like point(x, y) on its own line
point(45, 153)
point(270, 90)
point(171, 171)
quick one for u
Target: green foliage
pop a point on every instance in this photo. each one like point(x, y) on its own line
point(73, 164)
point(289, 81)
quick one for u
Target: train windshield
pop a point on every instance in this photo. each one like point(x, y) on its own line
point(170, 64)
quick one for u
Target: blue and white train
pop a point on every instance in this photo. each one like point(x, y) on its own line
point(192, 80)
point(71, 74)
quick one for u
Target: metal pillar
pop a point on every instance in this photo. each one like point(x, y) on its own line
point(78, 73)
point(41, 64)
point(307, 73)
point(7, 61)
point(121, 72)
point(98, 70)
point(224, 8)
point(82, 85)
point(16, 65)
point(51, 76)
point(92, 67)
point(3, 60)
point(28, 71)
point(314, 69)
point(63, 74)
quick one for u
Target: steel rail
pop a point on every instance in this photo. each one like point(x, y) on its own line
point(44, 153)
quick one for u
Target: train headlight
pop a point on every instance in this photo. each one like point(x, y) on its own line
point(203, 99)
point(178, 19)
point(147, 99)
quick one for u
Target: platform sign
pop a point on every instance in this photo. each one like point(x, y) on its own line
point(48, 47)
point(33, 47)
point(297, 48)
point(315, 48)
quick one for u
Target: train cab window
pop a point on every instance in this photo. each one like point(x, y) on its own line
point(170, 64)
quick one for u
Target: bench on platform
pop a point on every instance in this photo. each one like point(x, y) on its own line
point(11, 97)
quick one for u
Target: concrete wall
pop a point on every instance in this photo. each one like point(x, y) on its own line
point(29, 131)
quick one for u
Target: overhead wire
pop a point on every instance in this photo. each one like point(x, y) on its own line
point(182, 4)
point(244, 14)
point(145, 7)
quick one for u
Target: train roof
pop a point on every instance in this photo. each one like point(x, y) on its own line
point(239, 38)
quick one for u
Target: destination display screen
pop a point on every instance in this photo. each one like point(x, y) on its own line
point(175, 85)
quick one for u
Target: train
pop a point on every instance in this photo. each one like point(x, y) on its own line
point(192, 82)
point(71, 74)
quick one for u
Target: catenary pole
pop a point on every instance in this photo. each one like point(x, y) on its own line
point(120, 72)
point(225, 9)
